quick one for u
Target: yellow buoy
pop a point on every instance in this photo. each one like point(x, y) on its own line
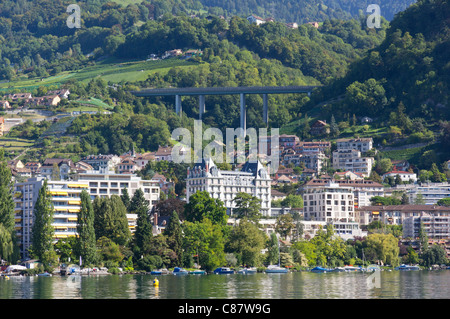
point(156, 282)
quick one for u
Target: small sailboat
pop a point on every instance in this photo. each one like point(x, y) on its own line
point(272, 269)
point(276, 269)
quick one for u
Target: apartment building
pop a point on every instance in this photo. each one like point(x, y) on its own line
point(252, 179)
point(351, 160)
point(363, 190)
point(404, 176)
point(359, 144)
point(431, 193)
point(109, 183)
point(435, 226)
point(397, 214)
point(102, 162)
point(329, 202)
point(66, 201)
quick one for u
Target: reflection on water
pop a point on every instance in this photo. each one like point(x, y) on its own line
point(302, 285)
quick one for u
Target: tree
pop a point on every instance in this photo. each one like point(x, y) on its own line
point(174, 235)
point(56, 174)
point(111, 219)
point(86, 240)
point(204, 240)
point(434, 255)
point(247, 206)
point(125, 198)
point(334, 128)
point(292, 201)
point(385, 246)
point(247, 241)
point(9, 249)
point(42, 232)
point(444, 202)
point(284, 225)
point(201, 205)
point(144, 231)
point(273, 255)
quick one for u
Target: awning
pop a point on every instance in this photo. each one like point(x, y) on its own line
point(74, 202)
point(375, 213)
point(78, 185)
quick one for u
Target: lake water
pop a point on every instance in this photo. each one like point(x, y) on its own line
point(422, 284)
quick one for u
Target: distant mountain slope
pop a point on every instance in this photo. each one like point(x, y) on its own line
point(412, 66)
point(302, 11)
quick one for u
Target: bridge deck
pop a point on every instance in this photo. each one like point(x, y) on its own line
point(225, 90)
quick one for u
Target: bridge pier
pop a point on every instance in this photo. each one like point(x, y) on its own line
point(265, 110)
point(178, 107)
point(243, 120)
point(201, 105)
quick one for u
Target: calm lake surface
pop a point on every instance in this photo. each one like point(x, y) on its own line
point(422, 284)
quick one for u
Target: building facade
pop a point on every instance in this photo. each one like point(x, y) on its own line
point(252, 179)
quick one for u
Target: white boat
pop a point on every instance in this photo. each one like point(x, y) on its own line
point(180, 271)
point(247, 271)
point(407, 267)
point(275, 269)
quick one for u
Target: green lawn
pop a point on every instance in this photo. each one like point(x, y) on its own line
point(111, 70)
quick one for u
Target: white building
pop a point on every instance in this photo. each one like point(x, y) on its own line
point(359, 144)
point(102, 162)
point(363, 190)
point(255, 19)
point(404, 176)
point(109, 183)
point(330, 203)
point(252, 179)
point(351, 160)
point(431, 192)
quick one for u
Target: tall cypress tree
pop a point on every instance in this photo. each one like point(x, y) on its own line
point(174, 235)
point(43, 231)
point(86, 240)
point(9, 249)
point(111, 219)
point(143, 234)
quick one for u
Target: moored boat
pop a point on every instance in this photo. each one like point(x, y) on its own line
point(275, 269)
point(247, 271)
point(407, 267)
point(321, 270)
point(223, 271)
point(197, 272)
point(179, 271)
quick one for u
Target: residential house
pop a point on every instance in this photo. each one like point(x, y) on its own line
point(316, 146)
point(163, 154)
point(320, 128)
point(366, 120)
point(277, 195)
point(292, 25)
point(66, 168)
point(314, 24)
point(404, 176)
point(286, 140)
point(18, 96)
point(5, 105)
point(62, 93)
point(255, 19)
point(15, 164)
point(33, 167)
point(128, 165)
point(102, 162)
